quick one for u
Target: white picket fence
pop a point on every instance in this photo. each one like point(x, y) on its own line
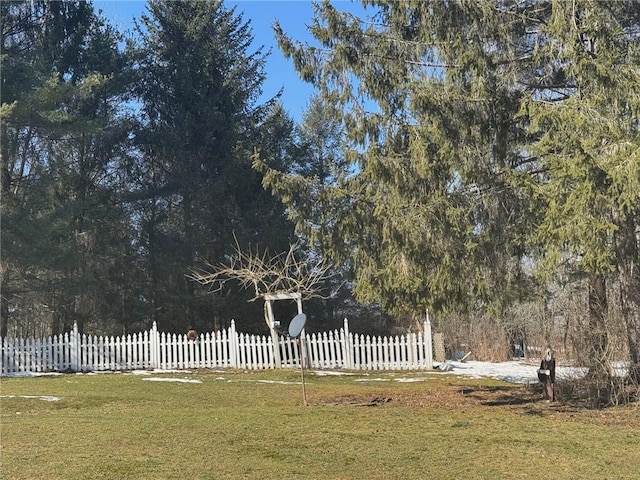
point(73, 352)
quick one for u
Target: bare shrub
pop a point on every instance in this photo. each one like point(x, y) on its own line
point(488, 340)
point(485, 337)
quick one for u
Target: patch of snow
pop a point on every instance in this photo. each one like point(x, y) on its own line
point(399, 380)
point(411, 380)
point(277, 382)
point(46, 398)
point(445, 367)
point(177, 380)
point(32, 374)
point(158, 370)
point(322, 373)
point(513, 372)
point(371, 380)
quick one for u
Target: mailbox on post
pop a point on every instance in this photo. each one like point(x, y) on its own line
point(547, 375)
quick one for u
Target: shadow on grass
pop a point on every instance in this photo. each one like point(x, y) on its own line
point(529, 400)
point(500, 396)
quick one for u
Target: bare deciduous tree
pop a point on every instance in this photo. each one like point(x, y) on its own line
point(286, 272)
point(287, 275)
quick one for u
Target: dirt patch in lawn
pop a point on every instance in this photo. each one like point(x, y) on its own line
point(519, 399)
point(453, 396)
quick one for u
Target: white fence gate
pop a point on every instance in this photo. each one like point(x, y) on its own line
point(73, 352)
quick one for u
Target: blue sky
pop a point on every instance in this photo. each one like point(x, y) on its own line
point(293, 15)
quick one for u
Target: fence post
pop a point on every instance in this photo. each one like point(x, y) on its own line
point(274, 333)
point(74, 347)
point(3, 350)
point(428, 343)
point(154, 347)
point(348, 353)
point(233, 344)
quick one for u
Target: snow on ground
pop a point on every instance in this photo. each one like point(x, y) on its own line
point(515, 371)
point(392, 378)
point(177, 380)
point(31, 374)
point(512, 372)
point(46, 398)
point(157, 370)
point(276, 382)
point(325, 373)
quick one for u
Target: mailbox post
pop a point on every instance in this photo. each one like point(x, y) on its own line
point(547, 375)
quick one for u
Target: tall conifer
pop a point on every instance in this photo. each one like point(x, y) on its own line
point(487, 137)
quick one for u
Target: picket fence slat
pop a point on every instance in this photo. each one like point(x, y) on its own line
point(225, 348)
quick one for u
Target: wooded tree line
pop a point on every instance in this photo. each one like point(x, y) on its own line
point(126, 160)
point(460, 157)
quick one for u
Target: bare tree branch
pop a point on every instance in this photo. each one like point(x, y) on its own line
point(282, 273)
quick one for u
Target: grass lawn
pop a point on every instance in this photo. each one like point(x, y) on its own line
point(253, 425)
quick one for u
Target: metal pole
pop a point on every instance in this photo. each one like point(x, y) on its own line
point(304, 391)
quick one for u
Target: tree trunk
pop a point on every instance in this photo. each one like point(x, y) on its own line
point(187, 289)
point(598, 336)
point(630, 292)
point(629, 276)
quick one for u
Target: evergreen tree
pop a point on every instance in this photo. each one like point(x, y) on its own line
point(429, 120)
point(583, 110)
point(308, 188)
point(473, 124)
point(61, 150)
point(200, 82)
